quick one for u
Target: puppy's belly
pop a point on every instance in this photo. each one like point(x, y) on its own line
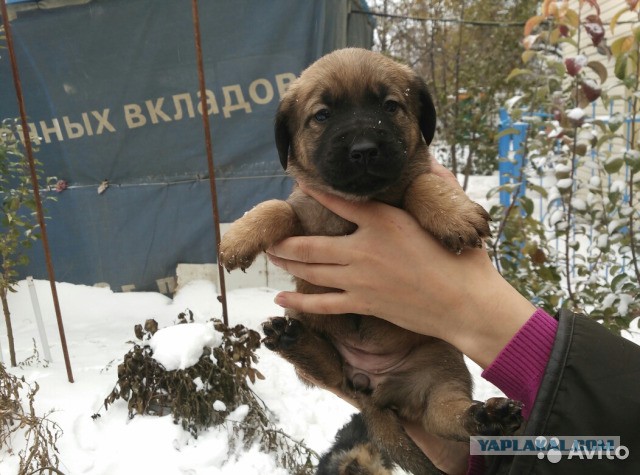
point(365, 367)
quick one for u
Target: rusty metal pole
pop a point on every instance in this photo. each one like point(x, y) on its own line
point(207, 138)
point(34, 183)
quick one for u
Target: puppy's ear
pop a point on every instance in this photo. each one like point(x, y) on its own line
point(282, 133)
point(427, 111)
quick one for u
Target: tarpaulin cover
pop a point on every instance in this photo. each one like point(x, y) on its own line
point(111, 91)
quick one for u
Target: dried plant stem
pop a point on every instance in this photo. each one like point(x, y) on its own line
point(7, 320)
point(40, 433)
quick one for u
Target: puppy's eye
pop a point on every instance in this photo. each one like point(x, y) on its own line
point(322, 115)
point(390, 106)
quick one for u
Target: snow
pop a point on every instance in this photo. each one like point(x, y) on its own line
point(180, 346)
point(616, 120)
point(557, 131)
point(618, 186)
point(602, 242)
point(581, 60)
point(591, 83)
point(595, 182)
point(633, 154)
point(576, 114)
point(99, 325)
point(579, 204)
point(564, 184)
point(623, 305)
point(511, 102)
point(239, 413)
point(613, 225)
point(594, 28)
point(219, 406)
point(557, 216)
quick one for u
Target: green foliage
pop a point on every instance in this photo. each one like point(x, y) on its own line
point(220, 375)
point(18, 222)
point(464, 49)
point(526, 260)
point(17, 206)
point(585, 255)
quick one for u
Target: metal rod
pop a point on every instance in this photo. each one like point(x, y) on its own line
point(207, 139)
point(34, 183)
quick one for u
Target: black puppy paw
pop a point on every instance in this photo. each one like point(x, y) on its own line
point(496, 416)
point(281, 333)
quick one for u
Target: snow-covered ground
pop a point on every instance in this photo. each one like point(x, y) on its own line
point(98, 324)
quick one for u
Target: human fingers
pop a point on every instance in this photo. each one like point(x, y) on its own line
point(331, 303)
point(358, 212)
point(322, 275)
point(310, 249)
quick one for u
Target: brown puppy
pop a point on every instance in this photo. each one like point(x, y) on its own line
point(358, 124)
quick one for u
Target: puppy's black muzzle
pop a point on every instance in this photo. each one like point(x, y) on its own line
point(361, 159)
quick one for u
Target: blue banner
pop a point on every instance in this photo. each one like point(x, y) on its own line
point(111, 91)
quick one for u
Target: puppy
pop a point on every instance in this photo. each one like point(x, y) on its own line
point(353, 453)
point(357, 124)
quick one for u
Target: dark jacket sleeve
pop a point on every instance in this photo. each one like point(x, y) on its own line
point(591, 387)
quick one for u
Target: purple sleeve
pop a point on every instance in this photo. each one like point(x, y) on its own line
point(520, 366)
point(476, 465)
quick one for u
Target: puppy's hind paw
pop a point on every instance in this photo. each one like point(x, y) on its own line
point(496, 416)
point(281, 333)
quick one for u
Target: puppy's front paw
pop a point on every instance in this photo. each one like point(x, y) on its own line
point(281, 333)
point(263, 226)
point(496, 416)
point(237, 252)
point(443, 209)
point(467, 228)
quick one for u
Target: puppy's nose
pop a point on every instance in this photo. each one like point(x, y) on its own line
point(363, 151)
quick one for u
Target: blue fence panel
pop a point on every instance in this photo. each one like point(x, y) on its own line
point(510, 166)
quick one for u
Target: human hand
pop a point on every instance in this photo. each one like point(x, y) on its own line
point(391, 268)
